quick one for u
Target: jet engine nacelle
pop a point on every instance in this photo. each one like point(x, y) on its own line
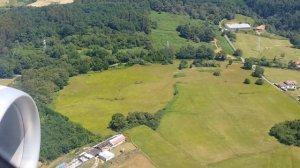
point(20, 133)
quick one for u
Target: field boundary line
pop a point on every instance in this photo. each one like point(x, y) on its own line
point(147, 156)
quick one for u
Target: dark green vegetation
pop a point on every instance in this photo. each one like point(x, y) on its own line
point(197, 33)
point(212, 11)
point(258, 72)
point(263, 61)
point(58, 139)
point(183, 64)
point(247, 81)
point(190, 52)
point(83, 36)
point(119, 122)
point(287, 132)
point(259, 81)
point(48, 45)
point(282, 16)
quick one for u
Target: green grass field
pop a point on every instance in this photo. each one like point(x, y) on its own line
point(281, 75)
point(224, 45)
point(268, 47)
point(213, 121)
point(166, 30)
point(241, 19)
point(92, 99)
point(221, 122)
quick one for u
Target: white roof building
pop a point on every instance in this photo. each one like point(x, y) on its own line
point(106, 155)
point(237, 26)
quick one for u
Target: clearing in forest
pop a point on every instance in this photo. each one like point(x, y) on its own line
point(93, 98)
point(166, 30)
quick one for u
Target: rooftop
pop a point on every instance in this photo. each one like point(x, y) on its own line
point(238, 25)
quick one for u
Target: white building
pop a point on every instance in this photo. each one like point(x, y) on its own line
point(237, 26)
point(106, 155)
point(290, 85)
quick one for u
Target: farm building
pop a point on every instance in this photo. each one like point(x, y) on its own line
point(237, 26)
point(290, 85)
point(261, 28)
point(117, 140)
point(106, 155)
point(94, 152)
point(297, 64)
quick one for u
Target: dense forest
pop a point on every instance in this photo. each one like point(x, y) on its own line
point(46, 46)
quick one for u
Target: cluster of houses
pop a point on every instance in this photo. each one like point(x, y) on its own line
point(287, 85)
point(101, 151)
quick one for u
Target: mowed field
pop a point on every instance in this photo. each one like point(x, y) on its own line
point(166, 30)
point(221, 122)
point(281, 75)
point(92, 99)
point(269, 47)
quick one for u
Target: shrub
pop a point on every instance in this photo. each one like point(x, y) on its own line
point(259, 81)
point(217, 73)
point(287, 132)
point(247, 81)
point(183, 64)
point(259, 72)
point(238, 53)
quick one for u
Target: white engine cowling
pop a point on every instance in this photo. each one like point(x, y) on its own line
point(20, 133)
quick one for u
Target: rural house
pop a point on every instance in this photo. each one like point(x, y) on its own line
point(290, 85)
point(261, 28)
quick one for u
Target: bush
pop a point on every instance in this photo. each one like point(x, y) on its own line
point(287, 132)
point(217, 73)
point(247, 81)
point(259, 81)
point(259, 72)
point(238, 53)
point(183, 64)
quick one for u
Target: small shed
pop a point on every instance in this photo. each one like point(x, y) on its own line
point(106, 155)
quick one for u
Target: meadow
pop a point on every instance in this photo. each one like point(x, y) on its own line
point(269, 47)
point(241, 19)
point(212, 122)
point(221, 122)
point(92, 99)
point(166, 30)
